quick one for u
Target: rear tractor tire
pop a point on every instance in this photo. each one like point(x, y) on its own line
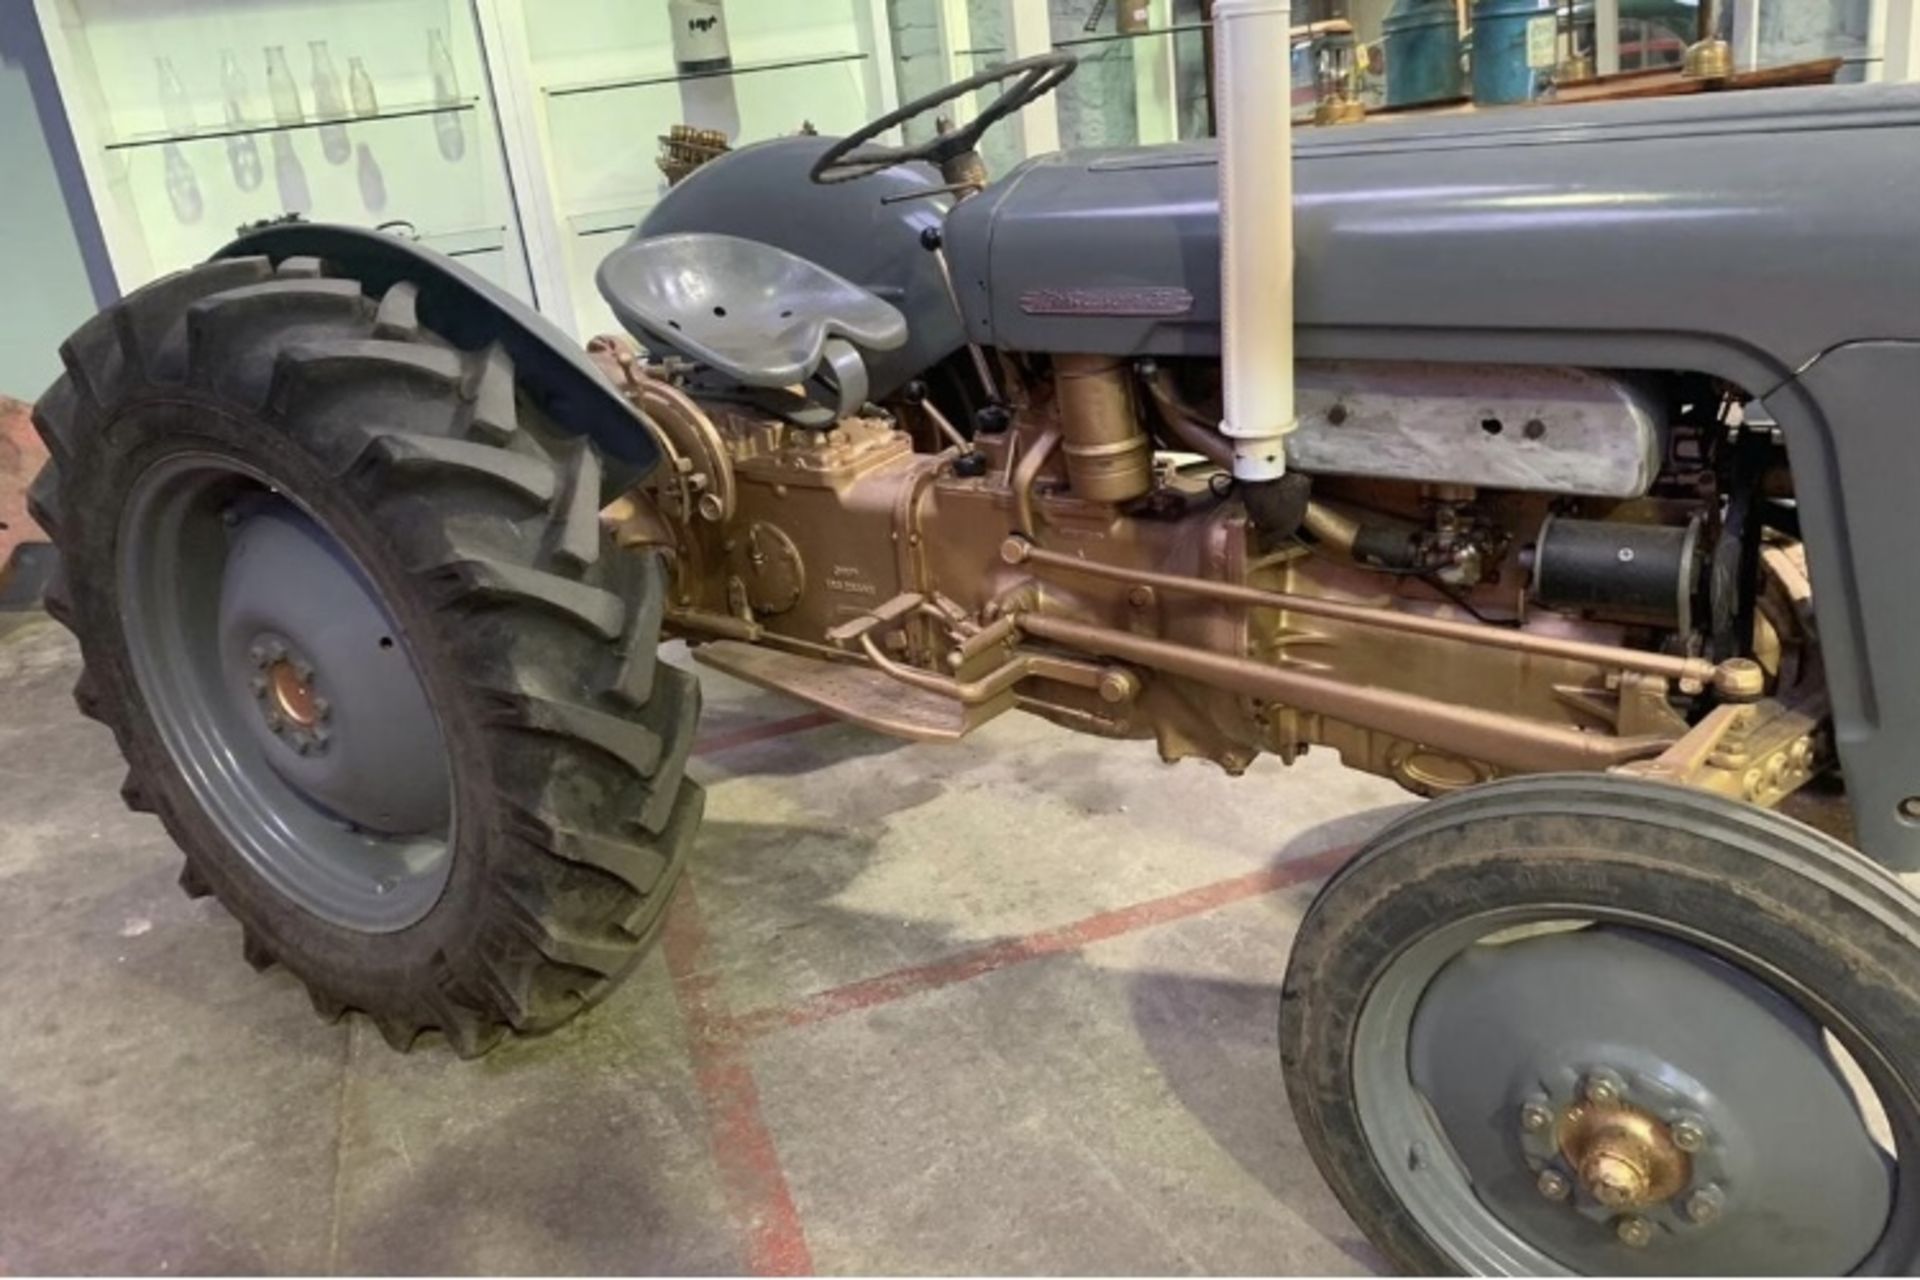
point(343, 597)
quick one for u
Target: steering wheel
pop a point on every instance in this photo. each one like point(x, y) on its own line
point(859, 156)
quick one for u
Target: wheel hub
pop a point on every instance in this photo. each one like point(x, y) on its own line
point(335, 705)
point(287, 696)
point(293, 696)
point(1625, 1157)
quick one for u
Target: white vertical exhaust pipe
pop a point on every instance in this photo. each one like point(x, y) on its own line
point(1253, 87)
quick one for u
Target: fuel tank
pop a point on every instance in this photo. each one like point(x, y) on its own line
point(1772, 225)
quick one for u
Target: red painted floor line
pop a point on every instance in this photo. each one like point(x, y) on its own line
point(752, 733)
point(994, 956)
point(742, 1146)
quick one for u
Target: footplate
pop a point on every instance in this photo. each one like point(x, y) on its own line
point(851, 692)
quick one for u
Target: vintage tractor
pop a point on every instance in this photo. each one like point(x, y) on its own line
point(370, 568)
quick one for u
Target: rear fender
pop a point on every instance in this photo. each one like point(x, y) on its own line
point(472, 312)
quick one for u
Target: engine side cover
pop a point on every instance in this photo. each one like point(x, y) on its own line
point(1538, 430)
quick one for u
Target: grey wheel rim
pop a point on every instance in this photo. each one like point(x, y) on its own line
point(1440, 1104)
point(285, 694)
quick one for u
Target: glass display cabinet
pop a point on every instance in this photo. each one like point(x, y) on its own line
point(939, 42)
point(600, 87)
point(195, 117)
point(1143, 70)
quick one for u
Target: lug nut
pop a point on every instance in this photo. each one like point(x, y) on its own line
point(1689, 1135)
point(259, 656)
point(321, 708)
point(1635, 1233)
point(1603, 1091)
point(1554, 1185)
point(1535, 1118)
point(1704, 1205)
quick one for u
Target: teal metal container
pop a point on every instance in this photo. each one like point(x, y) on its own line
point(1504, 31)
point(1422, 47)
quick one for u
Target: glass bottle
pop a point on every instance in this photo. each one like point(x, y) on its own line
point(183, 189)
point(243, 150)
point(447, 129)
point(329, 104)
point(290, 177)
point(360, 89)
point(281, 89)
point(174, 106)
point(373, 183)
point(446, 84)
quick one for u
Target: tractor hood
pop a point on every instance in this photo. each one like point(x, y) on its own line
point(1767, 226)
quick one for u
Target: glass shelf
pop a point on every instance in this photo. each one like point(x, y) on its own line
point(680, 77)
point(607, 222)
point(1111, 36)
point(313, 122)
point(466, 242)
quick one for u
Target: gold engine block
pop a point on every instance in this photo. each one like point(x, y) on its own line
point(1070, 571)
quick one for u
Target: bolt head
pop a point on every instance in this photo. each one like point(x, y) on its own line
point(1705, 1205)
point(1689, 1135)
point(1614, 1180)
point(322, 708)
point(1603, 1091)
point(1554, 1185)
point(1535, 1117)
point(259, 656)
point(1635, 1233)
point(259, 686)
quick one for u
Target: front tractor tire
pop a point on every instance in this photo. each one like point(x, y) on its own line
point(1603, 1026)
point(343, 597)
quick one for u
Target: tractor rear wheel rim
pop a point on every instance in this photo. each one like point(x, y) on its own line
point(287, 697)
point(1478, 1061)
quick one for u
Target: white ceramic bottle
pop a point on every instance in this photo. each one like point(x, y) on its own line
point(699, 36)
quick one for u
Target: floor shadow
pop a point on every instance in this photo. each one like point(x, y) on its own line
point(791, 755)
point(567, 1183)
point(1216, 1043)
point(74, 1207)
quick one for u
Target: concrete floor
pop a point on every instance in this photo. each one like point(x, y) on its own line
point(1007, 1006)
